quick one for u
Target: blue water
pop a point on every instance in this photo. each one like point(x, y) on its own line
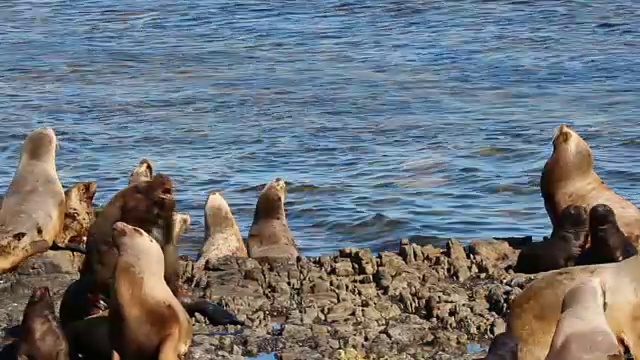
point(388, 118)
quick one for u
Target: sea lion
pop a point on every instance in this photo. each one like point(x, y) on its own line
point(143, 172)
point(608, 242)
point(78, 216)
point(535, 312)
point(41, 338)
point(32, 212)
point(222, 234)
point(150, 206)
point(582, 333)
point(146, 320)
point(562, 249)
point(503, 347)
point(269, 235)
point(569, 178)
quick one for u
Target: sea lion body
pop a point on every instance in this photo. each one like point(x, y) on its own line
point(41, 337)
point(32, 212)
point(562, 249)
point(582, 333)
point(146, 320)
point(222, 234)
point(269, 235)
point(608, 243)
point(535, 312)
point(569, 178)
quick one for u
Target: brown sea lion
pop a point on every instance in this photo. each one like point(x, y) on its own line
point(269, 235)
point(582, 333)
point(562, 249)
point(32, 213)
point(608, 242)
point(150, 206)
point(143, 172)
point(569, 178)
point(146, 321)
point(41, 337)
point(222, 234)
point(535, 312)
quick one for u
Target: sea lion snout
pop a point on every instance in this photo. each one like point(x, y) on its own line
point(601, 214)
point(120, 229)
point(562, 134)
point(40, 293)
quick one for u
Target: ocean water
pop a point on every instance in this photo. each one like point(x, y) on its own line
point(388, 119)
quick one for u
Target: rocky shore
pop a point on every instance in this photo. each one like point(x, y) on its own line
point(420, 302)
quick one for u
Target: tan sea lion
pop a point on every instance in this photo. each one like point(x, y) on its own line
point(146, 320)
point(569, 178)
point(582, 333)
point(608, 243)
point(222, 234)
point(32, 213)
point(78, 216)
point(269, 235)
point(535, 312)
point(143, 172)
point(41, 337)
point(562, 249)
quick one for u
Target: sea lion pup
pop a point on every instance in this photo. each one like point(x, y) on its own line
point(503, 347)
point(146, 321)
point(269, 235)
point(222, 234)
point(535, 312)
point(143, 172)
point(608, 242)
point(582, 333)
point(41, 338)
point(562, 249)
point(569, 178)
point(32, 212)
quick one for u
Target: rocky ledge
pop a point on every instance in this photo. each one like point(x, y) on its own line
point(421, 302)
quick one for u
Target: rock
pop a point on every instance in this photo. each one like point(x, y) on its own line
point(459, 263)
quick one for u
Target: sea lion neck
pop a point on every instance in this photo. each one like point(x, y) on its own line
point(269, 206)
point(218, 218)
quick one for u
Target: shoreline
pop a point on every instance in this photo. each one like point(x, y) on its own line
point(419, 302)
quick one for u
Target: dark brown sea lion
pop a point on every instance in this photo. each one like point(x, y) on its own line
point(269, 235)
point(143, 172)
point(146, 320)
point(150, 206)
point(608, 243)
point(582, 333)
point(535, 312)
point(32, 213)
point(569, 178)
point(503, 347)
point(222, 234)
point(562, 249)
point(41, 337)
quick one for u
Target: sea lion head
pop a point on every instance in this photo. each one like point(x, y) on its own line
point(157, 195)
point(39, 302)
point(40, 145)
point(81, 193)
point(143, 172)
point(573, 153)
point(125, 236)
point(217, 212)
point(271, 201)
point(574, 217)
point(601, 215)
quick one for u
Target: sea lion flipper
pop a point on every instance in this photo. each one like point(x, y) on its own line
point(216, 314)
point(69, 247)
